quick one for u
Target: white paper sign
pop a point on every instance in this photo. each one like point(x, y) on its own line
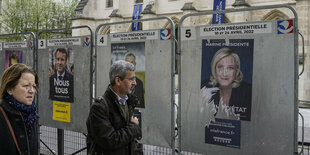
point(188, 33)
point(102, 40)
point(42, 43)
point(239, 29)
point(15, 44)
point(135, 36)
point(64, 42)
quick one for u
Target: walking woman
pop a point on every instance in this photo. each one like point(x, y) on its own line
point(18, 112)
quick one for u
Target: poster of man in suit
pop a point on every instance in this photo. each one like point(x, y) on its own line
point(61, 77)
point(135, 54)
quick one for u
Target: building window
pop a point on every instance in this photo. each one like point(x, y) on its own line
point(139, 1)
point(109, 3)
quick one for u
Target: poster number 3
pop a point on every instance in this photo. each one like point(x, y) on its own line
point(42, 43)
point(188, 33)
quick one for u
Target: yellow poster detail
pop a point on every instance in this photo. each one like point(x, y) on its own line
point(61, 111)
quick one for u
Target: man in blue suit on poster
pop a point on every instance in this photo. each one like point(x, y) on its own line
point(61, 82)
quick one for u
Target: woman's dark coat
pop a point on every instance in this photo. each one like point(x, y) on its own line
point(28, 144)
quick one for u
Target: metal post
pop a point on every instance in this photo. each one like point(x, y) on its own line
point(60, 141)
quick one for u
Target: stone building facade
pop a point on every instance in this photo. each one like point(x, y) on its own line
point(96, 12)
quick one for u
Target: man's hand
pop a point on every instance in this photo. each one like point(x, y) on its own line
point(134, 120)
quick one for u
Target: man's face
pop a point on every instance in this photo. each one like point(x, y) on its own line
point(226, 70)
point(131, 59)
point(127, 83)
point(61, 62)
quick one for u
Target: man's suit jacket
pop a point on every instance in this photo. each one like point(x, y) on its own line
point(62, 89)
point(139, 92)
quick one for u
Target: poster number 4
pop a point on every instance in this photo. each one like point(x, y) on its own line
point(188, 34)
point(102, 40)
point(42, 43)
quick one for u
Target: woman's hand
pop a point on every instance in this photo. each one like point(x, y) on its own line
point(207, 93)
point(210, 107)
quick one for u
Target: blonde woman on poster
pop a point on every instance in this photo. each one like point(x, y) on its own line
point(225, 93)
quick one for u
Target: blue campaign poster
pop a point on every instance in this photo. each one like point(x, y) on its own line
point(238, 79)
point(223, 132)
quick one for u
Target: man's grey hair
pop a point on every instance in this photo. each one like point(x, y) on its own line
point(120, 69)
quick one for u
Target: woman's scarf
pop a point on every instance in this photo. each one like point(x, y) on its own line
point(29, 113)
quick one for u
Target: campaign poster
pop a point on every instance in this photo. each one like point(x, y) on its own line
point(61, 74)
point(226, 77)
point(12, 57)
point(135, 54)
point(226, 87)
point(223, 132)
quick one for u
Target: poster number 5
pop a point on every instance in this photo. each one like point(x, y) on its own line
point(102, 40)
point(188, 33)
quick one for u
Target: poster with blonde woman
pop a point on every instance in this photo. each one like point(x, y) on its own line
point(226, 78)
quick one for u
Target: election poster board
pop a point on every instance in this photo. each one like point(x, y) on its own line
point(64, 65)
point(16, 52)
point(152, 49)
point(234, 79)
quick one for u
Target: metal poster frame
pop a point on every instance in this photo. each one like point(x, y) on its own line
point(295, 60)
point(60, 132)
point(172, 65)
point(34, 46)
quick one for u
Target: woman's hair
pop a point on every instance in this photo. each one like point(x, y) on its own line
point(221, 53)
point(11, 76)
point(119, 69)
